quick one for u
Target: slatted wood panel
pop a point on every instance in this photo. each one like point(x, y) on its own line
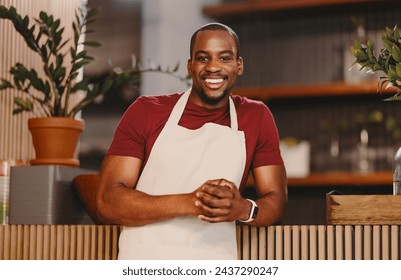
point(303, 242)
point(58, 242)
point(320, 242)
point(15, 139)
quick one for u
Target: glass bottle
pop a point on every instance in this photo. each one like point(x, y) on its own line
point(397, 172)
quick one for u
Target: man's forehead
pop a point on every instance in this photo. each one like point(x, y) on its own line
point(215, 38)
point(215, 33)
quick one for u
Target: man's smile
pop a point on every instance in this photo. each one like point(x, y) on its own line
point(214, 81)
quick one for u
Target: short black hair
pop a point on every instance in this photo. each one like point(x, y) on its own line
point(214, 26)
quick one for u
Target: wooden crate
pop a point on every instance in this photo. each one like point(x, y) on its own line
point(363, 209)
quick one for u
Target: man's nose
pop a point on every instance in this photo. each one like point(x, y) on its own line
point(213, 66)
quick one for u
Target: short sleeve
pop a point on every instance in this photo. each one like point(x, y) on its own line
point(130, 135)
point(267, 150)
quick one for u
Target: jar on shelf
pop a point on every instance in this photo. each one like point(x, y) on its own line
point(351, 72)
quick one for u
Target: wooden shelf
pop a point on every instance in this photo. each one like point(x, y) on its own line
point(265, 6)
point(337, 179)
point(311, 90)
point(343, 179)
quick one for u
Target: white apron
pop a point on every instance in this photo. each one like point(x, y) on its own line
point(181, 160)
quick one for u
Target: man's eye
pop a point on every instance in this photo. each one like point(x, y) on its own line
point(201, 58)
point(225, 58)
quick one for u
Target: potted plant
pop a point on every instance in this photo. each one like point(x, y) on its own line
point(48, 95)
point(387, 61)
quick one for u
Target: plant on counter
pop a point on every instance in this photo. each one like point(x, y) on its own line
point(61, 72)
point(387, 61)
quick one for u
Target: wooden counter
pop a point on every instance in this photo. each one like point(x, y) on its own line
point(296, 242)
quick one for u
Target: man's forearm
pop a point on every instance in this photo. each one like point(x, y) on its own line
point(272, 209)
point(126, 206)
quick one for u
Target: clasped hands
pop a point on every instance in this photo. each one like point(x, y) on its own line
point(220, 201)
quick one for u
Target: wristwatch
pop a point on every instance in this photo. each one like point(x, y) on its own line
point(253, 213)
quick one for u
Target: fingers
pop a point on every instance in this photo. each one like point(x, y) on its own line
point(215, 200)
point(212, 215)
point(212, 219)
point(221, 182)
point(220, 188)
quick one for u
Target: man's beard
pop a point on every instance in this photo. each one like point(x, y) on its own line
point(213, 101)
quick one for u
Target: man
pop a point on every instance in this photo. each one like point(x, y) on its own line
point(173, 172)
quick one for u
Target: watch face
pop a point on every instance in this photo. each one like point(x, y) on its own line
point(255, 212)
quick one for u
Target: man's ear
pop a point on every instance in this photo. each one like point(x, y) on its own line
point(189, 66)
point(240, 63)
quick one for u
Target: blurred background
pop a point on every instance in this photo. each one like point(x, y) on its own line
point(337, 132)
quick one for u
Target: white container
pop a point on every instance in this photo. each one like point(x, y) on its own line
point(296, 158)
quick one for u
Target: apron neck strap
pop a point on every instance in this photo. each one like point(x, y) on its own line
point(179, 108)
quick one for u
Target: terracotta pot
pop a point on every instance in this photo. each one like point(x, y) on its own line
point(55, 140)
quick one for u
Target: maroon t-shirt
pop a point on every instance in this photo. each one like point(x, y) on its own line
point(143, 121)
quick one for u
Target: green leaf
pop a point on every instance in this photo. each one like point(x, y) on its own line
point(55, 25)
point(25, 22)
point(361, 55)
point(74, 75)
point(393, 98)
point(49, 21)
point(78, 65)
point(398, 71)
point(79, 55)
point(36, 82)
point(388, 32)
point(387, 44)
point(396, 33)
point(392, 75)
point(3, 12)
point(76, 34)
point(370, 44)
point(81, 85)
point(59, 73)
point(396, 53)
point(43, 16)
point(106, 86)
point(376, 67)
point(5, 84)
point(92, 44)
point(18, 111)
point(47, 91)
point(59, 60)
point(387, 64)
point(26, 104)
point(357, 44)
point(73, 52)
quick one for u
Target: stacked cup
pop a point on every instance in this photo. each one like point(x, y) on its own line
point(5, 166)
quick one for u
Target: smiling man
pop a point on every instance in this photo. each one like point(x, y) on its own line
point(174, 172)
point(214, 66)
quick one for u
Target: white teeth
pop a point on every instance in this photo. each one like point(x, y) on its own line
point(214, 81)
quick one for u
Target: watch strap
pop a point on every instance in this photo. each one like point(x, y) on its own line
point(253, 213)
